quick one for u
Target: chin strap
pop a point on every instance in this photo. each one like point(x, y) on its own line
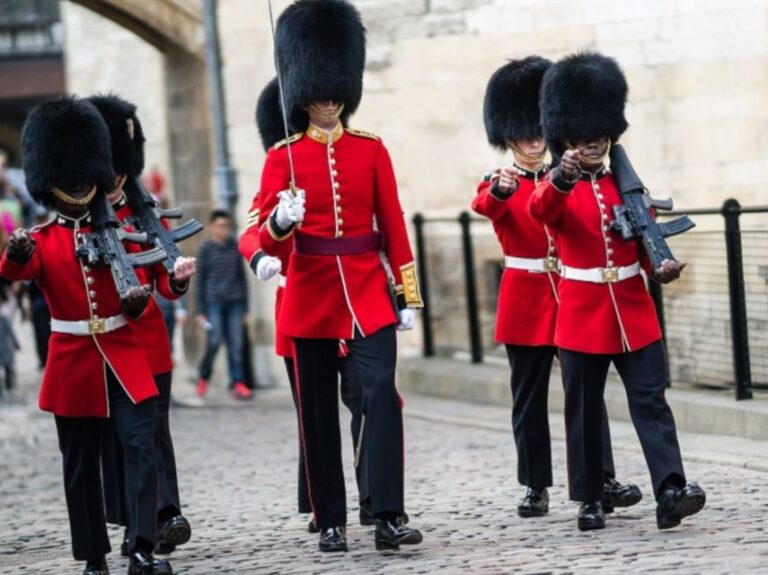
point(526, 158)
point(67, 199)
point(596, 161)
point(328, 116)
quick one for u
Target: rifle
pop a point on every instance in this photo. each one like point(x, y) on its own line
point(146, 219)
point(104, 245)
point(634, 218)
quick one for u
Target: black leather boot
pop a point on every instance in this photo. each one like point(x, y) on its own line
point(143, 563)
point(172, 532)
point(333, 539)
point(366, 514)
point(618, 495)
point(535, 503)
point(675, 503)
point(591, 516)
point(391, 534)
point(96, 567)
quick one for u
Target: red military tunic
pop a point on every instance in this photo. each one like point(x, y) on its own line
point(527, 306)
point(150, 326)
point(604, 318)
point(250, 248)
point(75, 379)
point(349, 181)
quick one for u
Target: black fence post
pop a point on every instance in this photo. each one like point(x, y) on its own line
point(426, 313)
point(657, 295)
point(741, 364)
point(475, 342)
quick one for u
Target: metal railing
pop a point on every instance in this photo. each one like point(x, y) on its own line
point(700, 317)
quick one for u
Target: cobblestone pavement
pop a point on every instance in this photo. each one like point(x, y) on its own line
point(238, 463)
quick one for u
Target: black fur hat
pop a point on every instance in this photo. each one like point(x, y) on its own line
point(65, 144)
point(511, 106)
point(269, 120)
point(583, 97)
point(320, 46)
point(127, 138)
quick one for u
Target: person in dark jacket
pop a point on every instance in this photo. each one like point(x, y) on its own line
point(221, 302)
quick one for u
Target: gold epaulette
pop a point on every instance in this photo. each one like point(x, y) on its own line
point(290, 140)
point(362, 134)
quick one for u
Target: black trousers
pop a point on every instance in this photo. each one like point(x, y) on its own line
point(531, 367)
point(80, 445)
point(351, 397)
point(113, 470)
point(373, 359)
point(643, 373)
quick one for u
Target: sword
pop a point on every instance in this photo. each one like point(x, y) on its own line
point(282, 98)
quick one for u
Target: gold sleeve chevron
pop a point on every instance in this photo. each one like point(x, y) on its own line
point(253, 218)
point(410, 286)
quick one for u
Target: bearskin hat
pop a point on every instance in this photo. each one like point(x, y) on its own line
point(582, 98)
point(511, 105)
point(65, 144)
point(320, 48)
point(269, 119)
point(125, 132)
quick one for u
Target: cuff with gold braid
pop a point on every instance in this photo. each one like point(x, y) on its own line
point(279, 234)
point(408, 294)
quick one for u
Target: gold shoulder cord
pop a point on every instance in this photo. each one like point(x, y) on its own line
point(362, 134)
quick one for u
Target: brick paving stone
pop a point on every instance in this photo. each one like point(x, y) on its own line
point(238, 473)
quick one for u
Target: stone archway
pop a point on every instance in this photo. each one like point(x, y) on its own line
point(162, 23)
point(175, 29)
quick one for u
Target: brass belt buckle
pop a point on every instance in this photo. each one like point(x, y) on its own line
point(610, 275)
point(97, 326)
point(551, 264)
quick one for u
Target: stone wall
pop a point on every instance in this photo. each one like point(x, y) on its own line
point(698, 82)
point(697, 73)
point(696, 70)
point(100, 56)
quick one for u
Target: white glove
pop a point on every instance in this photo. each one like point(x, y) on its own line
point(407, 319)
point(290, 209)
point(267, 267)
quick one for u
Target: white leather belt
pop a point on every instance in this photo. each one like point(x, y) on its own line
point(601, 275)
point(89, 327)
point(281, 279)
point(536, 265)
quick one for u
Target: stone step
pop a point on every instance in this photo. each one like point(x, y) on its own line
point(695, 410)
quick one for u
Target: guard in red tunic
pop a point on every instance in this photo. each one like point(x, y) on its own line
point(605, 314)
point(337, 287)
point(271, 129)
point(527, 306)
point(127, 138)
point(97, 367)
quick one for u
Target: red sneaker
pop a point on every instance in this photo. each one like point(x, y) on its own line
point(202, 387)
point(241, 391)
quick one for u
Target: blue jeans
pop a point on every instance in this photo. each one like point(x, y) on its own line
point(226, 320)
